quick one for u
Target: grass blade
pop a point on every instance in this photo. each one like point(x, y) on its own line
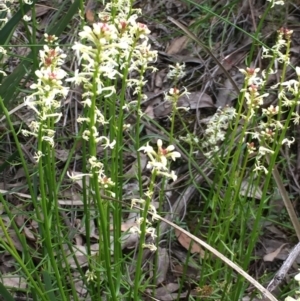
point(5, 293)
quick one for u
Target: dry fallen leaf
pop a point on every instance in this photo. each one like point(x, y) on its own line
point(247, 189)
point(185, 241)
point(129, 240)
point(227, 93)
point(165, 293)
point(90, 11)
point(195, 100)
point(80, 253)
point(11, 232)
point(79, 284)
point(40, 10)
point(177, 45)
point(62, 154)
point(163, 265)
point(271, 256)
point(133, 171)
point(14, 281)
point(276, 232)
point(160, 78)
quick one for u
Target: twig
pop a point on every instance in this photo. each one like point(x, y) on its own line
point(279, 276)
point(222, 257)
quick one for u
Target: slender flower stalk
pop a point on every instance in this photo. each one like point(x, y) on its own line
point(108, 52)
point(158, 164)
point(45, 101)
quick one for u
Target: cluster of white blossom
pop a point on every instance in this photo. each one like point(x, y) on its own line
point(109, 47)
point(271, 124)
point(108, 51)
point(159, 159)
point(148, 229)
point(174, 94)
point(158, 163)
point(6, 14)
point(216, 130)
point(176, 72)
point(283, 37)
point(288, 96)
point(49, 90)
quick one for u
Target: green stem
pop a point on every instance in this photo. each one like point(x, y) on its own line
point(143, 225)
point(95, 186)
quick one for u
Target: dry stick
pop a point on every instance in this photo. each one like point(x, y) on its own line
point(279, 276)
point(221, 256)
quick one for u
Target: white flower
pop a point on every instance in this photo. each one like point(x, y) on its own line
point(135, 229)
point(37, 156)
point(167, 152)
point(274, 2)
point(90, 276)
point(107, 143)
point(296, 118)
point(140, 220)
point(77, 176)
point(148, 149)
point(79, 77)
point(151, 231)
point(263, 150)
point(26, 18)
point(271, 110)
point(176, 72)
point(259, 167)
point(95, 163)
point(136, 201)
point(251, 76)
point(171, 175)
point(292, 85)
point(157, 165)
point(288, 142)
point(105, 181)
point(297, 277)
point(151, 247)
point(86, 135)
point(87, 102)
point(48, 139)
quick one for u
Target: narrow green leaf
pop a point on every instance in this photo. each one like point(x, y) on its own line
point(5, 294)
point(56, 28)
point(48, 286)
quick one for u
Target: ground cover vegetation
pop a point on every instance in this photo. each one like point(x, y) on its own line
point(149, 150)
